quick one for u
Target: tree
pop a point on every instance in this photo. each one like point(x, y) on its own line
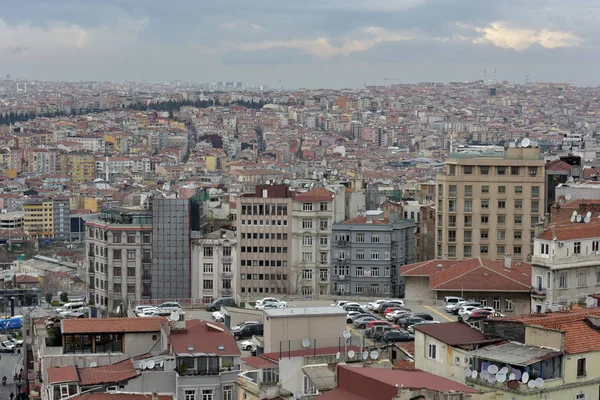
point(48, 299)
point(64, 297)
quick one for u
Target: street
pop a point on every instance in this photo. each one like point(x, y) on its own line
point(7, 368)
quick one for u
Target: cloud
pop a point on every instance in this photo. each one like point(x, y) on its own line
point(501, 35)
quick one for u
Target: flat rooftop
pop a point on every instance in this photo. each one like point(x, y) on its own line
point(304, 311)
point(515, 353)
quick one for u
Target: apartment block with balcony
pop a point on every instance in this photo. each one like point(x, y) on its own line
point(119, 247)
point(367, 252)
point(264, 226)
point(38, 218)
point(565, 265)
point(313, 214)
point(62, 218)
point(214, 265)
point(81, 166)
point(489, 205)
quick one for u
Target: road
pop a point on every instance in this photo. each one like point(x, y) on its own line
point(7, 368)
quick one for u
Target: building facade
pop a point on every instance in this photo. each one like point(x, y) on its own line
point(214, 265)
point(39, 218)
point(264, 226)
point(489, 206)
point(313, 214)
point(81, 166)
point(62, 219)
point(367, 252)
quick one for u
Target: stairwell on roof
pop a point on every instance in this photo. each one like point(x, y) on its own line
point(507, 261)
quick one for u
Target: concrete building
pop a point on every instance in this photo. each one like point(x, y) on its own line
point(367, 253)
point(12, 220)
point(214, 265)
point(81, 166)
point(62, 219)
point(39, 218)
point(264, 226)
point(119, 257)
point(489, 205)
point(313, 214)
point(565, 265)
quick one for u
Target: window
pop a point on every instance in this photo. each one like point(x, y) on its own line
point(452, 251)
point(485, 189)
point(323, 257)
point(535, 191)
point(483, 301)
point(227, 392)
point(207, 284)
point(360, 271)
point(208, 251)
point(468, 206)
point(563, 280)
point(226, 251)
point(452, 236)
point(501, 189)
point(517, 235)
point(518, 189)
point(374, 238)
point(117, 271)
point(501, 219)
point(146, 238)
point(517, 250)
point(514, 170)
point(484, 234)
point(117, 237)
point(324, 241)
point(146, 256)
point(190, 394)
point(452, 190)
point(207, 394)
point(508, 303)
point(323, 206)
point(468, 190)
point(500, 249)
point(577, 248)
point(116, 254)
point(131, 271)
point(533, 171)
point(431, 352)
point(307, 224)
point(440, 190)
point(131, 288)
point(452, 205)
point(467, 251)
point(496, 303)
point(307, 274)
point(360, 254)
point(483, 249)
point(468, 221)
point(501, 170)
point(452, 220)
point(535, 206)
point(323, 225)
point(208, 268)
point(518, 204)
point(468, 169)
point(130, 237)
point(581, 279)
point(117, 287)
point(580, 396)
point(307, 256)
point(485, 204)
point(451, 169)
point(485, 219)
point(360, 238)
point(500, 235)
point(131, 254)
point(374, 255)
point(484, 170)
point(581, 369)
point(307, 240)
point(386, 271)
point(518, 220)
point(323, 274)
point(375, 272)
point(307, 207)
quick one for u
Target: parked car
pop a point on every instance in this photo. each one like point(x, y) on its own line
point(409, 321)
point(240, 326)
point(139, 308)
point(378, 322)
point(17, 342)
point(376, 332)
point(373, 306)
point(170, 306)
point(147, 311)
point(411, 328)
point(247, 345)
point(266, 306)
point(384, 306)
point(340, 303)
point(247, 331)
point(216, 304)
point(218, 316)
point(349, 315)
point(349, 305)
point(7, 346)
point(357, 316)
point(355, 308)
point(260, 303)
point(465, 311)
point(450, 301)
point(397, 336)
point(391, 309)
point(157, 313)
point(393, 316)
point(465, 304)
point(484, 313)
point(361, 323)
point(425, 316)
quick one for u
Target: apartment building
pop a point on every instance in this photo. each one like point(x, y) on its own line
point(81, 166)
point(214, 265)
point(11, 220)
point(367, 252)
point(313, 214)
point(565, 265)
point(38, 218)
point(119, 257)
point(489, 205)
point(264, 226)
point(62, 218)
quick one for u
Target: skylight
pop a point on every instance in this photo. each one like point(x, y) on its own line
point(221, 347)
point(190, 348)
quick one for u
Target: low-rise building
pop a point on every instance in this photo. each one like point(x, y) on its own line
point(214, 265)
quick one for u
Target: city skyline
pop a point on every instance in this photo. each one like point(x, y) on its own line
point(304, 45)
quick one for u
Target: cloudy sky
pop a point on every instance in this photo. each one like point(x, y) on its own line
point(305, 43)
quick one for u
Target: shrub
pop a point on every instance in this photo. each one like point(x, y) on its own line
point(64, 297)
point(55, 303)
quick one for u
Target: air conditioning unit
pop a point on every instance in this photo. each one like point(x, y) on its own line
point(561, 244)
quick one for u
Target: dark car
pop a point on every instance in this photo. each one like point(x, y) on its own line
point(216, 304)
point(247, 331)
point(355, 308)
point(362, 322)
point(354, 317)
point(425, 316)
point(409, 321)
point(378, 331)
point(397, 336)
point(384, 306)
point(402, 315)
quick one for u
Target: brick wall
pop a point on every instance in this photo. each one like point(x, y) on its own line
point(564, 213)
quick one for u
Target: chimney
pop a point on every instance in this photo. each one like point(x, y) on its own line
point(507, 261)
point(440, 266)
point(180, 323)
point(154, 395)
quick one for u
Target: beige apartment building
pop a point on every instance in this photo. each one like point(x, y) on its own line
point(488, 205)
point(264, 226)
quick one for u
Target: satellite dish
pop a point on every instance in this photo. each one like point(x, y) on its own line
point(579, 218)
point(503, 370)
point(572, 218)
point(174, 316)
point(374, 355)
point(587, 220)
point(337, 355)
point(142, 365)
point(539, 382)
point(347, 334)
point(268, 182)
point(574, 213)
point(119, 310)
point(568, 196)
point(365, 355)
point(525, 142)
point(151, 364)
point(531, 384)
point(491, 379)
point(588, 214)
point(474, 374)
point(501, 378)
point(305, 343)
point(525, 377)
point(513, 385)
point(468, 372)
point(93, 364)
point(162, 364)
point(511, 377)
point(590, 302)
point(351, 353)
point(492, 369)
point(484, 374)
point(517, 374)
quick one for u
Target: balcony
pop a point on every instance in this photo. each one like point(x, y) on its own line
point(571, 261)
point(264, 384)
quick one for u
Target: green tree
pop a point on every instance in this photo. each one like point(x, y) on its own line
point(48, 299)
point(64, 297)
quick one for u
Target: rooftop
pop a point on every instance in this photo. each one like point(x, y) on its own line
point(515, 353)
point(120, 396)
point(202, 338)
point(571, 231)
point(311, 196)
point(111, 325)
point(454, 333)
point(304, 311)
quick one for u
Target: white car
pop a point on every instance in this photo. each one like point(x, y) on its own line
point(247, 345)
point(339, 303)
point(395, 314)
point(260, 303)
point(268, 305)
point(218, 316)
point(352, 305)
point(139, 309)
point(149, 310)
point(375, 304)
point(465, 312)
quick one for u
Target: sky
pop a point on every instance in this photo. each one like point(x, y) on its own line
point(305, 43)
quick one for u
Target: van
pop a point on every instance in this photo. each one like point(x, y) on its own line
point(71, 306)
point(451, 301)
point(216, 304)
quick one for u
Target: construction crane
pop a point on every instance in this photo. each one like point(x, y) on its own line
point(392, 79)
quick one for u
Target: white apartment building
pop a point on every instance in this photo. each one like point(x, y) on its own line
point(313, 214)
point(565, 267)
point(91, 143)
point(214, 265)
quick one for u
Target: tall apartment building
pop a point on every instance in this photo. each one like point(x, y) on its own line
point(214, 265)
point(119, 256)
point(62, 218)
point(488, 205)
point(47, 218)
point(313, 214)
point(264, 226)
point(367, 252)
point(81, 166)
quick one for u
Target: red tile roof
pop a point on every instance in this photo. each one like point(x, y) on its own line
point(203, 337)
point(571, 231)
point(318, 194)
point(120, 396)
point(27, 279)
point(479, 274)
point(111, 325)
point(580, 335)
point(454, 333)
point(425, 268)
point(63, 374)
point(557, 165)
point(118, 372)
point(259, 362)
